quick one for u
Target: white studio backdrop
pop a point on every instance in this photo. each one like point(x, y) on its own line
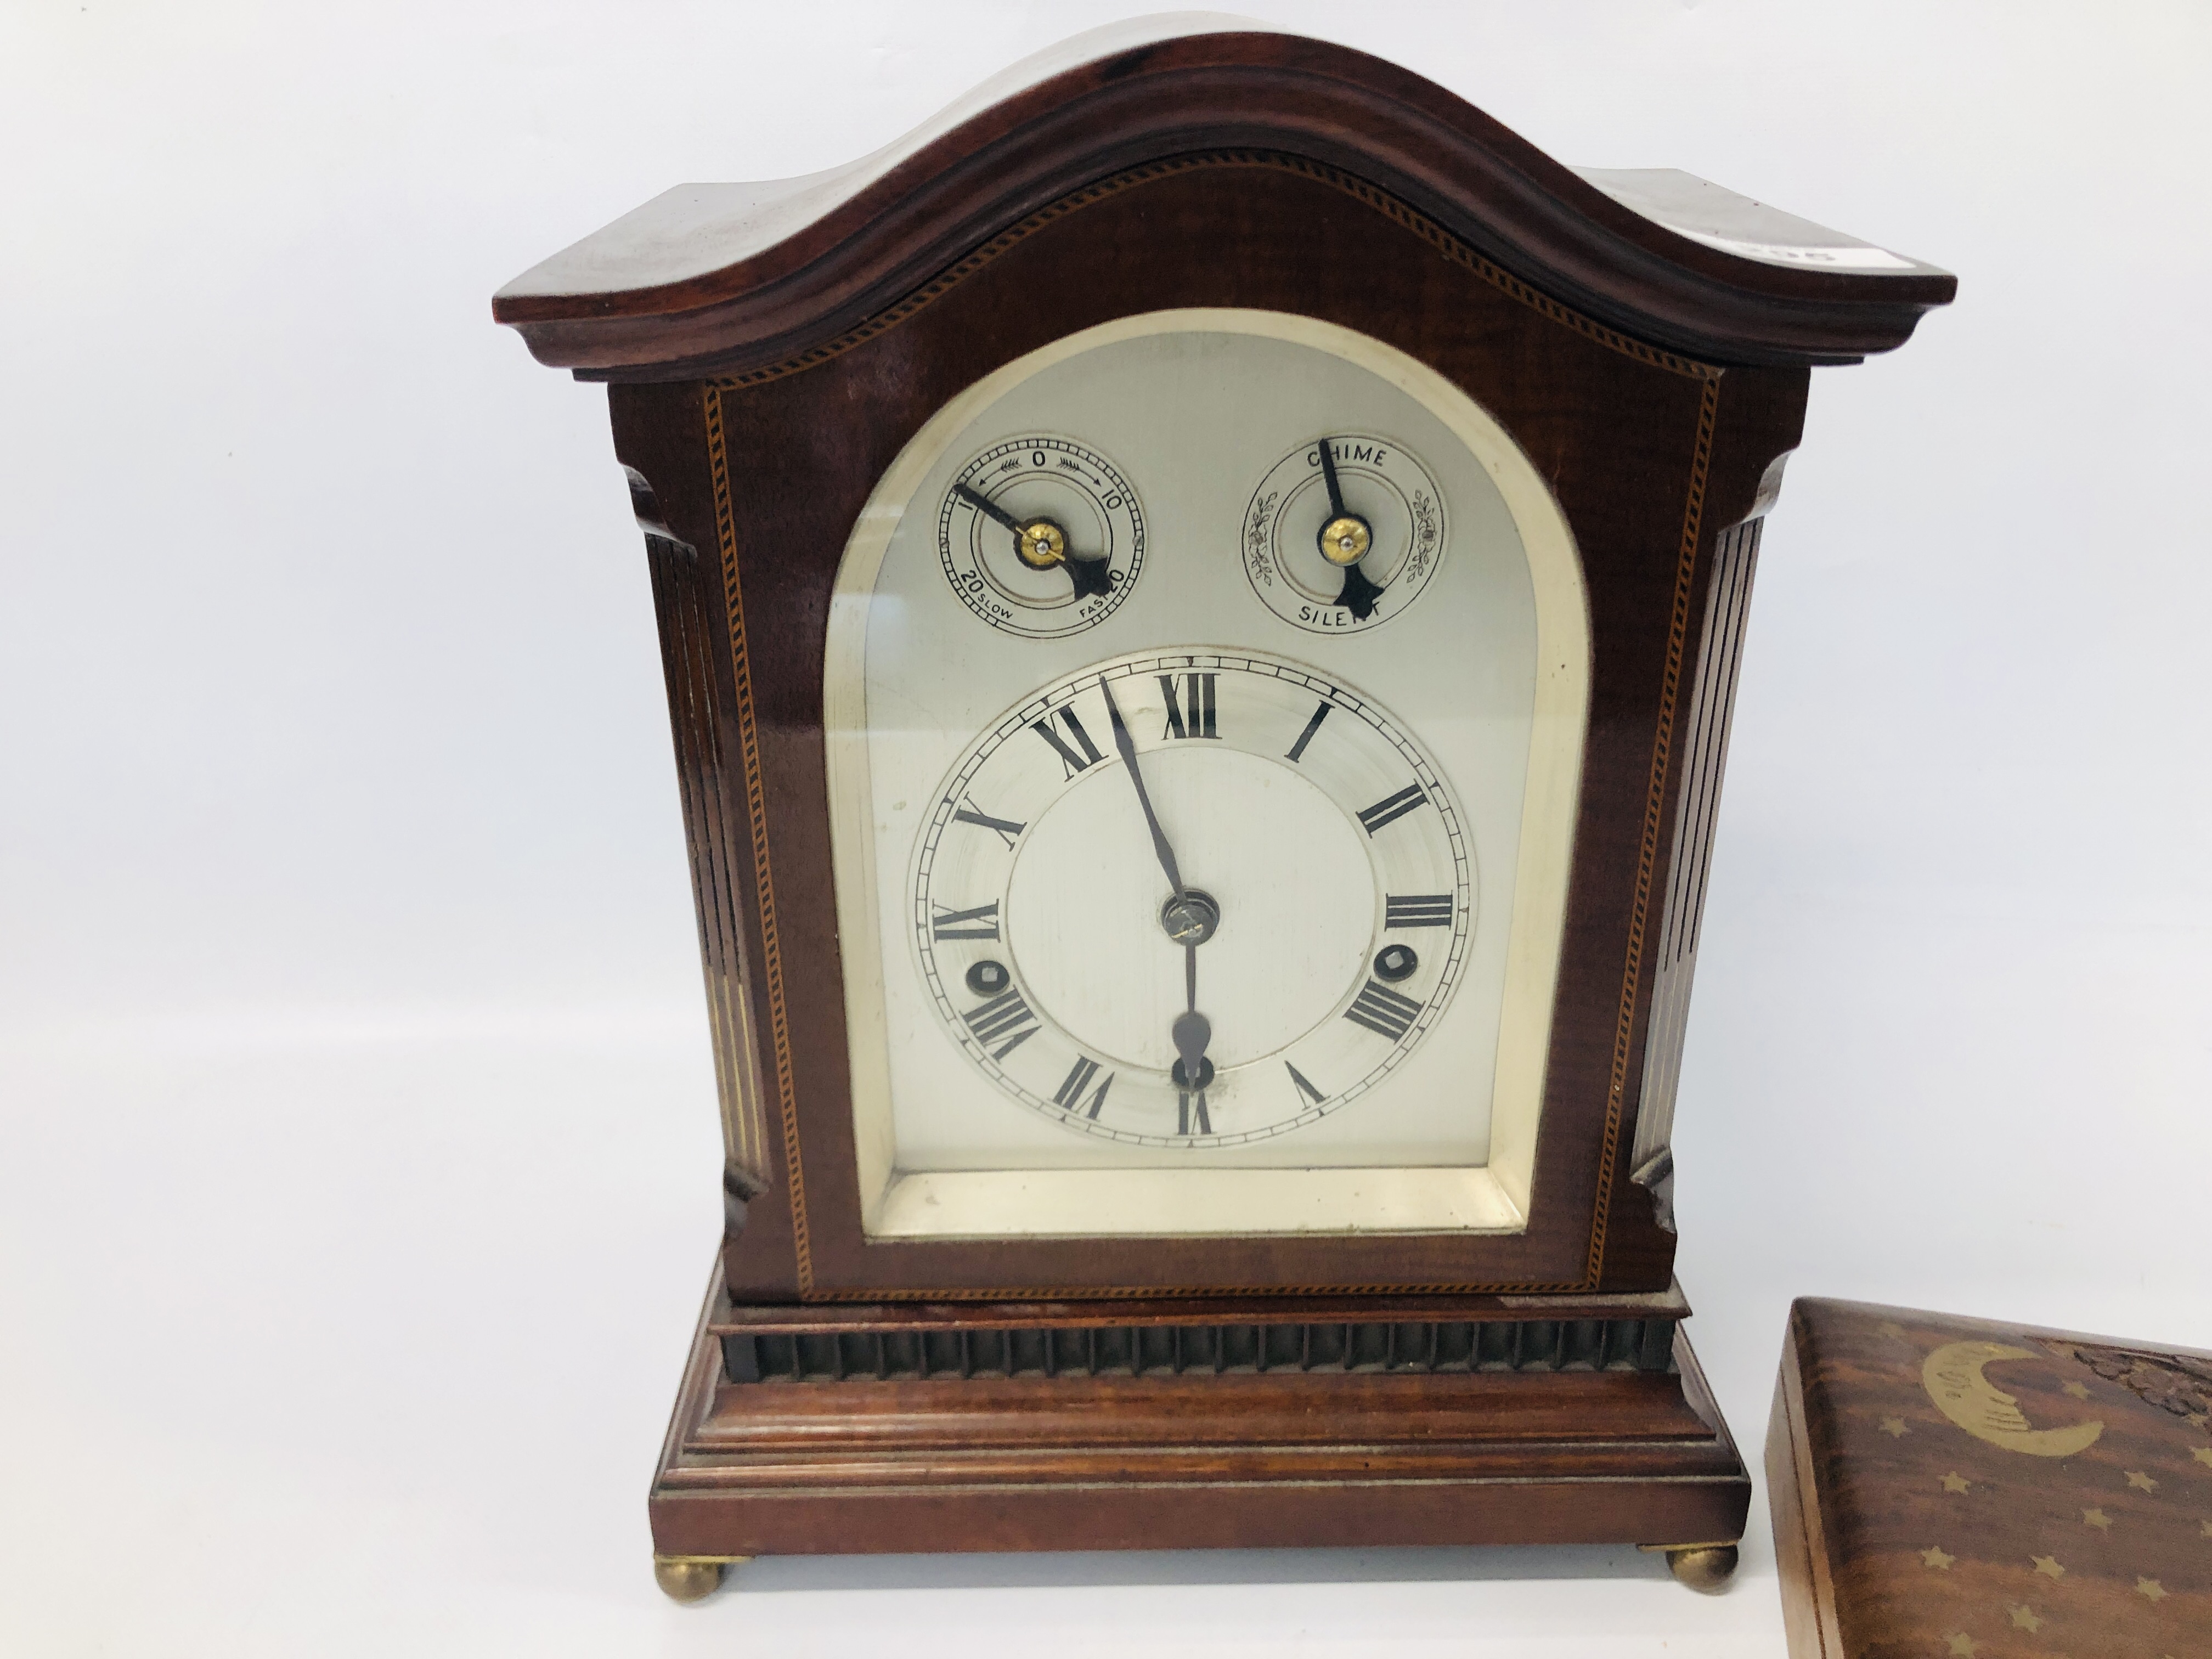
point(357, 1150)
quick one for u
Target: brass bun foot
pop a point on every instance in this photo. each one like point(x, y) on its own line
point(692, 1578)
point(1706, 1568)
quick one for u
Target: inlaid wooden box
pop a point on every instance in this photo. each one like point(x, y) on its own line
point(1955, 1486)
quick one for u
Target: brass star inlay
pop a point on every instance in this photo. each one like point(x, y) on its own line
point(1895, 1427)
point(2203, 1455)
point(2080, 1391)
point(1954, 1481)
point(2097, 1518)
point(1934, 1557)
point(1890, 1328)
point(2150, 1589)
point(2024, 1618)
point(2140, 1481)
point(1964, 1645)
point(2048, 1566)
point(2204, 1529)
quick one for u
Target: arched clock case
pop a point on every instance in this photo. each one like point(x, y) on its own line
point(1200, 597)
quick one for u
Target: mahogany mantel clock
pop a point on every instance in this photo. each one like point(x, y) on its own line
point(1200, 596)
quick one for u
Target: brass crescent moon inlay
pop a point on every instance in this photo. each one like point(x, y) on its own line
point(1954, 1379)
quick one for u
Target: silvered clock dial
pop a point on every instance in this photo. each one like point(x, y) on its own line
point(1191, 899)
point(1204, 700)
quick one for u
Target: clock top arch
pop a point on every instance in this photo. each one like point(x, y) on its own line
point(736, 278)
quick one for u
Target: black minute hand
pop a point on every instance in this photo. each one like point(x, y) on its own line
point(1192, 1031)
point(1358, 594)
point(989, 508)
point(1126, 746)
point(1328, 477)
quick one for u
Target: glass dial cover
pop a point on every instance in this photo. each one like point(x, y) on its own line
point(1327, 852)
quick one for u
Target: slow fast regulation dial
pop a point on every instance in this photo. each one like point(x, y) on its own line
point(1192, 898)
point(1040, 536)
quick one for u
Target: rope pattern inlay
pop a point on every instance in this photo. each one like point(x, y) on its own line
point(1678, 634)
point(757, 810)
point(1448, 245)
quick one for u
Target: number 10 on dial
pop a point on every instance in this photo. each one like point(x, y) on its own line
point(1191, 900)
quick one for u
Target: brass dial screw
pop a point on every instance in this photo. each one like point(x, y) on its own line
point(1041, 544)
point(1345, 539)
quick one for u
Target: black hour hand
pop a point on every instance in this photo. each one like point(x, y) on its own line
point(1358, 594)
point(1093, 578)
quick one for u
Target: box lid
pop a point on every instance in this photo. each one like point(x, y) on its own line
point(1945, 1486)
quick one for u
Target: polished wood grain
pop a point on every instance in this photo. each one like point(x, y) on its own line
point(773, 348)
point(1235, 1460)
point(1669, 1304)
point(1898, 1531)
point(1650, 456)
point(730, 278)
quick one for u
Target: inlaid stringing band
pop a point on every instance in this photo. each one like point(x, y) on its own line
point(1461, 254)
point(1451, 246)
point(1678, 634)
point(756, 813)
